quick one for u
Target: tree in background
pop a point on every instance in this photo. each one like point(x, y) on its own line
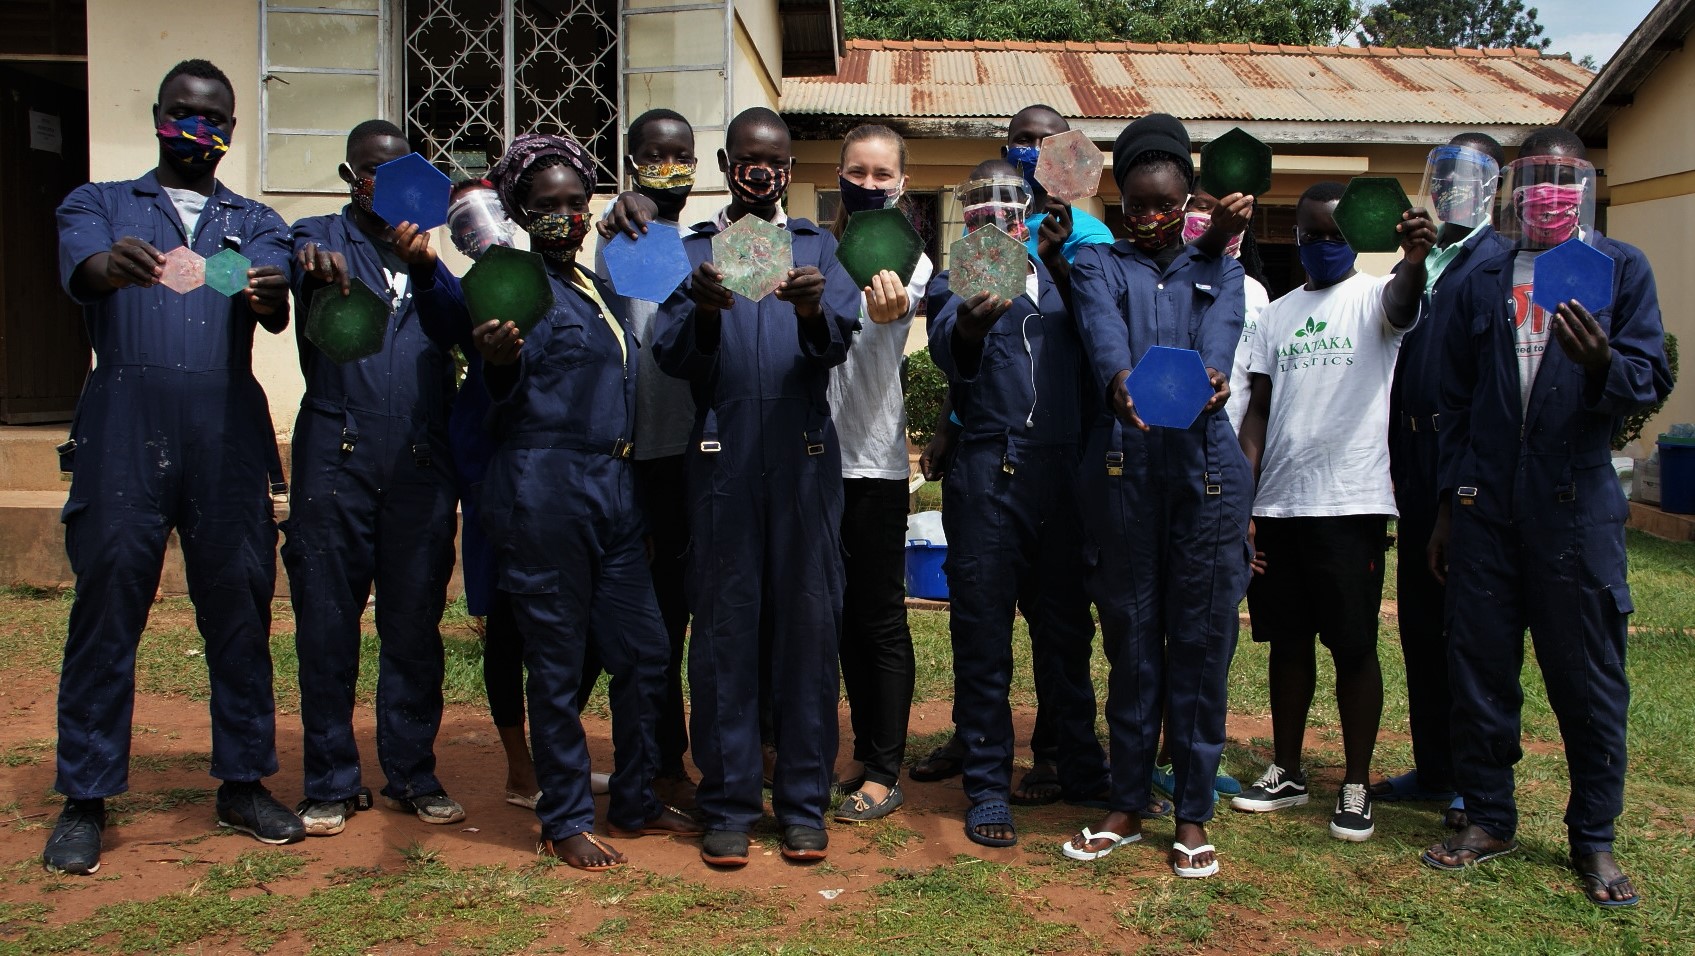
point(1143, 21)
point(1446, 23)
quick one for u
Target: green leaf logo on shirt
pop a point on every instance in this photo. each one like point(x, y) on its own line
point(1312, 328)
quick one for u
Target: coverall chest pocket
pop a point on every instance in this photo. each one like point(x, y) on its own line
point(1003, 344)
point(1200, 302)
point(568, 343)
point(148, 230)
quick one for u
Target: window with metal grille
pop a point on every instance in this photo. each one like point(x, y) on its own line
point(322, 64)
point(477, 71)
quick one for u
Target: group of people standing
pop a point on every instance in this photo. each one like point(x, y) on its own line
point(733, 472)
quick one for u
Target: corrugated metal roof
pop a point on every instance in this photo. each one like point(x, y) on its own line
point(1194, 82)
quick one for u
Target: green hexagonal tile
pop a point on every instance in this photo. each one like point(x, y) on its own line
point(347, 327)
point(510, 285)
point(1369, 211)
point(226, 272)
point(1236, 163)
point(879, 239)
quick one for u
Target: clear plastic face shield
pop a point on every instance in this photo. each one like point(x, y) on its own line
point(476, 220)
point(1003, 201)
point(1459, 186)
point(1547, 200)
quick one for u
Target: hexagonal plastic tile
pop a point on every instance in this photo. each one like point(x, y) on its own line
point(409, 189)
point(1070, 165)
point(226, 272)
point(988, 260)
point(1369, 211)
point(1236, 163)
point(510, 285)
point(347, 327)
point(1169, 387)
point(879, 239)
point(649, 268)
point(754, 256)
point(185, 270)
point(1573, 270)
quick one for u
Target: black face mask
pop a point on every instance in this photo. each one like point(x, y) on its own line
point(670, 201)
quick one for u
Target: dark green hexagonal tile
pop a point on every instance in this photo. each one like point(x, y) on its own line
point(347, 327)
point(879, 239)
point(1236, 163)
point(510, 285)
point(1369, 211)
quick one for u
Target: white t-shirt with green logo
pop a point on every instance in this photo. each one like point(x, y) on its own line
point(1330, 356)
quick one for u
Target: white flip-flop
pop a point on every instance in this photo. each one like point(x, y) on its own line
point(1195, 872)
point(1090, 836)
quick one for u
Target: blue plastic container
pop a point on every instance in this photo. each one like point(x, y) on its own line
point(924, 576)
point(1677, 481)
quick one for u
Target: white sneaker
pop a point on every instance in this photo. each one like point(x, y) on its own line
point(1274, 790)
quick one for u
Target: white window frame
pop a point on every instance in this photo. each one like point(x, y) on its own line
point(724, 66)
point(271, 73)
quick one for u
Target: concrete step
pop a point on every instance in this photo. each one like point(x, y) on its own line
point(29, 459)
point(32, 547)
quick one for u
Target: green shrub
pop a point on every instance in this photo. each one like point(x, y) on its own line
point(925, 387)
point(1631, 430)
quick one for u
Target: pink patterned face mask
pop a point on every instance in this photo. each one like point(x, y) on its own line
point(1195, 225)
point(1550, 211)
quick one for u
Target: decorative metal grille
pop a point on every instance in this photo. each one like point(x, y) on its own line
point(478, 70)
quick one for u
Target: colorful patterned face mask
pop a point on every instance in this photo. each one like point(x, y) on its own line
point(194, 141)
point(1550, 211)
point(758, 185)
point(364, 192)
point(665, 175)
point(558, 235)
point(1156, 230)
point(1009, 216)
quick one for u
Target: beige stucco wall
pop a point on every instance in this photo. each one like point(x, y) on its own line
point(1651, 175)
point(131, 44)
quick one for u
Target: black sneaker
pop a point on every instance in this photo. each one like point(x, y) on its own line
point(250, 808)
point(74, 846)
point(1352, 819)
point(1274, 790)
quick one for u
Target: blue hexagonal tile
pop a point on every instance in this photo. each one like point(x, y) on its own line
point(1169, 387)
point(649, 268)
point(1573, 270)
point(409, 189)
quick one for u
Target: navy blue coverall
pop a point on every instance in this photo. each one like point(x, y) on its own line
point(765, 511)
point(1015, 535)
point(1538, 541)
point(1166, 520)
point(1413, 463)
point(372, 502)
point(559, 505)
point(172, 431)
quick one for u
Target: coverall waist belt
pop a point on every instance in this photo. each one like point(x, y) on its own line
point(612, 447)
point(105, 362)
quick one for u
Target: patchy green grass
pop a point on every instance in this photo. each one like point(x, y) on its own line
point(1286, 886)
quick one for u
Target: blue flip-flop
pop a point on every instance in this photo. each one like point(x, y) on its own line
point(989, 813)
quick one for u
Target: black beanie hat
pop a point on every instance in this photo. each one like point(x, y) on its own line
point(1154, 133)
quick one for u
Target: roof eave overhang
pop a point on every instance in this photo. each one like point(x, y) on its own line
point(1271, 132)
point(1660, 33)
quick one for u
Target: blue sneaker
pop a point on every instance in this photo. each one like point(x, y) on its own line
point(1165, 782)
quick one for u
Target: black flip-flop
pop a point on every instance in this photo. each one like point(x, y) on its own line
point(1479, 855)
point(944, 762)
point(1594, 882)
point(1043, 775)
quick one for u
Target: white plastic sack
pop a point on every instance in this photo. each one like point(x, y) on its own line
point(926, 526)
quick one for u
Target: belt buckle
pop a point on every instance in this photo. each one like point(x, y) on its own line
point(1568, 493)
point(815, 448)
point(1114, 464)
point(421, 456)
point(622, 449)
point(348, 440)
point(1006, 466)
point(1467, 494)
point(1213, 487)
point(711, 447)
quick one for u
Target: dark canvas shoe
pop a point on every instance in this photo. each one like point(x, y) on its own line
point(1352, 819)
point(74, 846)
point(1274, 790)
point(250, 808)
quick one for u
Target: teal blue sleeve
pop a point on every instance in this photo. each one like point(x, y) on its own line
point(1086, 230)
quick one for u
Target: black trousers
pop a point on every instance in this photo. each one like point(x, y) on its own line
point(876, 651)
point(660, 489)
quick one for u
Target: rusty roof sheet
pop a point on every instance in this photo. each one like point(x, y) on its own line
point(1194, 81)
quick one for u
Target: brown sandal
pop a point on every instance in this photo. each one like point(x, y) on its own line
point(670, 821)
point(554, 849)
